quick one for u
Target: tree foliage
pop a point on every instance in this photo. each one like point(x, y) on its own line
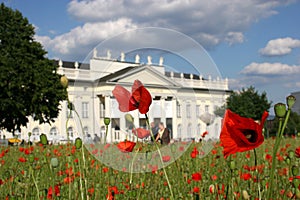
point(248, 103)
point(29, 83)
point(292, 127)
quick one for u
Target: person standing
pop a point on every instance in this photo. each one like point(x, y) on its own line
point(154, 129)
point(163, 134)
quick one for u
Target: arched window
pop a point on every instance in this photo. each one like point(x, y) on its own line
point(198, 130)
point(35, 131)
point(179, 130)
point(189, 131)
point(70, 132)
point(53, 131)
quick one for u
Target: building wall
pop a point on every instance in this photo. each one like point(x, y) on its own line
point(182, 106)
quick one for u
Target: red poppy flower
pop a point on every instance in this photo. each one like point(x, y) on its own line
point(140, 98)
point(166, 158)
point(246, 176)
point(240, 134)
point(196, 189)
point(105, 169)
point(197, 177)
point(141, 133)
point(204, 134)
point(126, 146)
point(297, 152)
point(22, 159)
point(50, 192)
point(194, 153)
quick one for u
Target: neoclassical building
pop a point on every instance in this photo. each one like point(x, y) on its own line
point(185, 103)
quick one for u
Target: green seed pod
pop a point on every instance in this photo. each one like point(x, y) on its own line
point(43, 139)
point(291, 154)
point(29, 134)
point(280, 110)
point(295, 170)
point(106, 121)
point(31, 158)
point(54, 162)
point(129, 118)
point(290, 101)
point(245, 195)
point(232, 164)
point(173, 148)
point(64, 81)
point(78, 143)
point(288, 160)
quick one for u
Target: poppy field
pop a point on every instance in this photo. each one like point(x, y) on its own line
point(69, 172)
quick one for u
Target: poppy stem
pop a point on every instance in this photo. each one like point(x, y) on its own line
point(257, 174)
point(280, 132)
point(161, 159)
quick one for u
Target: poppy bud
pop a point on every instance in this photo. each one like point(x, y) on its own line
point(232, 164)
point(295, 170)
point(129, 118)
point(106, 121)
point(64, 81)
point(290, 101)
point(288, 160)
point(54, 162)
point(29, 134)
point(245, 194)
point(212, 189)
point(78, 143)
point(31, 158)
point(43, 139)
point(280, 110)
point(291, 154)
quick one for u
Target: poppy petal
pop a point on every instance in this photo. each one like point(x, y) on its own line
point(240, 134)
point(123, 97)
point(126, 146)
point(145, 100)
point(141, 133)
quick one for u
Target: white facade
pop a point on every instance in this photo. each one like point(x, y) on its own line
point(179, 100)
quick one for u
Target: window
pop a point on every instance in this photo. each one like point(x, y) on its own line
point(86, 131)
point(206, 108)
point(189, 131)
point(179, 131)
point(85, 109)
point(70, 132)
point(199, 129)
point(188, 110)
point(69, 112)
point(198, 110)
point(102, 106)
point(35, 131)
point(178, 110)
point(117, 135)
point(129, 125)
point(53, 131)
point(143, 123)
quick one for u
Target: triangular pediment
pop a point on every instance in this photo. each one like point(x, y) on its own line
point(147, 75)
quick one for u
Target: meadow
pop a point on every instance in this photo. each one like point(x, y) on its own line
point(69, 172)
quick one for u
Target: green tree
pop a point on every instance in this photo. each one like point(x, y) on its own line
point(248, 103)
point(29, 83)
point(292, 127)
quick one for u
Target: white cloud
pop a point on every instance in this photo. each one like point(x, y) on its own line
point(234, 37)
point(266, 69)
point(210, 23)
point(280, 46)
point(79, 40)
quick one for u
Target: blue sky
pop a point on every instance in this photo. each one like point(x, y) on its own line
point(252, 42)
